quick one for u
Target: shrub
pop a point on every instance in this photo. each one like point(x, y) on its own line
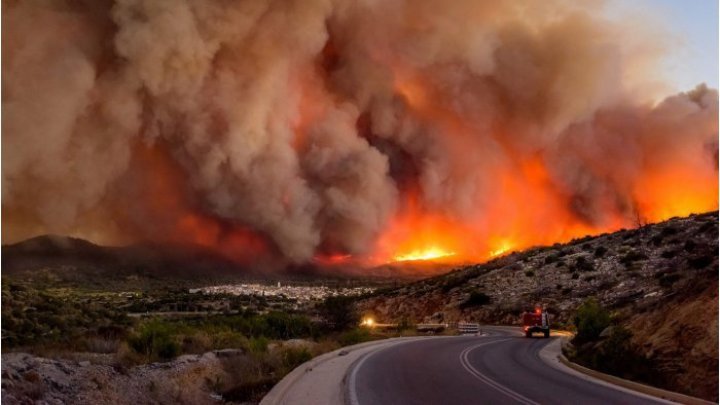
point(689, 246)
point(529, 273)
point(258, 345)
point(590, 320)
point(617, 355)
point(284, 326)
point(600, 251)
point(338, 313)
point(154, 340)
point(293, 357)
point(476, 299)
point(700, 262)
point(631, 257)
point(583, 264)
point(357, 335)
point(667, 280)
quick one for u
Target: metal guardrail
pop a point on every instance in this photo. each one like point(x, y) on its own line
point(465, 327)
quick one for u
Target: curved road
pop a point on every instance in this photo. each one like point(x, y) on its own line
point(502, 367)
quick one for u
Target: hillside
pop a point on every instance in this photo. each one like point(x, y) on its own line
point(660, 281)
point(65, 260)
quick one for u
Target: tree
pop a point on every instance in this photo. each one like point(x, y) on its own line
point(590, 320)
point(338, 313)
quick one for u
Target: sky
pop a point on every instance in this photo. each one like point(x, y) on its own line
point(694, 24)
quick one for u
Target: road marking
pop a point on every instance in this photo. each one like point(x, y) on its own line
point(487, 380)
point(352, 397)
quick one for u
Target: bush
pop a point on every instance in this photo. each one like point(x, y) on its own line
point(258, 345)
point(700, 262)
point(357, 335)
point(631, 257)
point(529, 273)
point(293, 357)
point(667, 280)
point(476, 299)
point(600, 251)
point(338, 313)
point(689, 246)
point(154, 340)
point(590, 320)
point(617, 355)
point(284, 326)
point(552, 258)
point(583, 264)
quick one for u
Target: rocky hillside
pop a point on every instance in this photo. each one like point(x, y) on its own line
point(660, 281)
point(228, 376)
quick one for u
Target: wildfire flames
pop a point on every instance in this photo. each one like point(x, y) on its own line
point(433, 253)
point(334, 132)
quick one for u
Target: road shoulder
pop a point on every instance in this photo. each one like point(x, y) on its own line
point(322, 379)
point(552, 355)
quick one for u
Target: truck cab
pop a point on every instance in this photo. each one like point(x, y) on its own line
point(535, 322)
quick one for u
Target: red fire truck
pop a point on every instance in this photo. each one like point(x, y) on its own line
point(536, 321)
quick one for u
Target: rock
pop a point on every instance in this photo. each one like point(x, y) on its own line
point(607, 332)
point(224, 353)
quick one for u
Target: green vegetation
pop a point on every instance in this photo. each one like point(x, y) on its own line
point(355, 336)
point(603, 346)
point(338, 313)
point(155, 340)
point(163, 339)
point(55, 317)
point(590, 320)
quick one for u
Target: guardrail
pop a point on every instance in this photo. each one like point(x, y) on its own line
point(468, 328)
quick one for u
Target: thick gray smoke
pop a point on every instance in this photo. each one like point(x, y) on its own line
point(312, 123)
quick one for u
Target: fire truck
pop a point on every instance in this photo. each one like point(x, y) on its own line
point(536, 321)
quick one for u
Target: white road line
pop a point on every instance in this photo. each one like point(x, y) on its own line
point(352, 382)
point(487, 380)
point(352, 397)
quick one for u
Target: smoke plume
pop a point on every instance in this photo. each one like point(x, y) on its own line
point(324, 129)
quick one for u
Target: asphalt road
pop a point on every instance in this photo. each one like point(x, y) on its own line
point(500, 368)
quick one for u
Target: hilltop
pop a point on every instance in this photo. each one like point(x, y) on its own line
point(77, 262)
point(66, 261)
point(660, 281)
